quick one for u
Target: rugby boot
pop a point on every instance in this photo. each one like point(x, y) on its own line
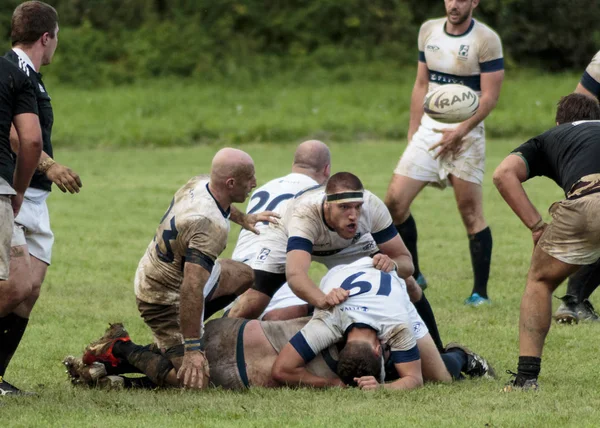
point(518, 384)
point(586, 312)
point(83, 374)
point(475, 300)
point(567, 311)
point(477, 366)
point(102, 349)
point(111, 382)
point(421, 281)
point(8, 389)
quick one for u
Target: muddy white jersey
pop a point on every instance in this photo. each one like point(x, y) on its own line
point(378, 300)
point(269, 197)
point(194, 227)
point(304, 224)
point(591, 77)
point(458, 59)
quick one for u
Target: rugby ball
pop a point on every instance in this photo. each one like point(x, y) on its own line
point(451, 103)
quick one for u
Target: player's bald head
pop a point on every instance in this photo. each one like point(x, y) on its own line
point(231, 163)
point(313, 155)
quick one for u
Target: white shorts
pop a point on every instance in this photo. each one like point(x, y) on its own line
point(34, 222)
point(273, 252)
point(419, 328)
point(283, 298)
point(6, 233)
point(417, 161)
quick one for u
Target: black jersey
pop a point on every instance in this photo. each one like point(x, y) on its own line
point(39, 180)
point(565, 153)
point(16, 97)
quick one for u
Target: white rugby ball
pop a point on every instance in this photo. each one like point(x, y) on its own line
point(451, 103)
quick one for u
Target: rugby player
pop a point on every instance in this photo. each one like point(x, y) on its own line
point(311, 167)
point(576, 305)
point(377, 315)
point(454, 49)
point(34, 38)
point(241, 354)
point(568, 154)
point(333, 224)
point(18, 106)
point(179, 280)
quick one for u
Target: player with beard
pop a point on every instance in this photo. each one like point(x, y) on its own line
point(454, 49)
point(335, 224)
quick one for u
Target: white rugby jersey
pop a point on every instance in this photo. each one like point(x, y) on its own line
point(378, 300)
point(193, 222)
point(268, 198)
point(459, 59)
point(591, 76)
point(304, 224)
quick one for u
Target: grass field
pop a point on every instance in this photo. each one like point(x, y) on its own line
point(369, 106)
point(102, 232)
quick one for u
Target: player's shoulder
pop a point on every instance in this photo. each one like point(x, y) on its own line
point(485, 32)
point(432, 25)
point(371, 199)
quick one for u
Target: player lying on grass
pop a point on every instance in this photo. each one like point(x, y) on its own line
point(377, 321)
point(240, 353)
point(569, 154)
point(333, 224)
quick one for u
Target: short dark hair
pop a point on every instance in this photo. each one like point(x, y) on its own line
point(358, 359)
point(576, 107)
point(31, 20)
point(343, 181)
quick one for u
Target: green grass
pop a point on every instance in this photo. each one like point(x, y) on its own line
point(102, 232)
point(373, 106)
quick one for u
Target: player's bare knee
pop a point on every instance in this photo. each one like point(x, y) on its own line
point(13, 294)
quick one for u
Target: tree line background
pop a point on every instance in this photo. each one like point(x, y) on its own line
point(118, 41)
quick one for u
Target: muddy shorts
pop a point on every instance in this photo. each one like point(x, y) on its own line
point(573, 236)
point(224, 345)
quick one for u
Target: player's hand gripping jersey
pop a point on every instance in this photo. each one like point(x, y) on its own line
point(302, 227)
point(377, 300)
point(195, 229)
point(269, 197)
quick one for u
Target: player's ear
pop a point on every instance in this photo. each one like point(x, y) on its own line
point(230, 183)
point(378, 350)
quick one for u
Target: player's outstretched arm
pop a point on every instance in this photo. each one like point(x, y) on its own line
point(290, 369)
point(410, 378)
point(396, 251)
point(296, 271)
point(248, 221)
point(65, 178)
point(508, 179)
point(194, 368)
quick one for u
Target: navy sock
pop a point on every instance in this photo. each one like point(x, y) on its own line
point(455, 361)
point(480, 246)
point(424, 309)
point(528, 368)
point(12, 328)
point(408, 233)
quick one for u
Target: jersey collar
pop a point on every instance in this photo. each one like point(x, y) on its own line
point(223, 212)
point(21, 54)
point(460, 35)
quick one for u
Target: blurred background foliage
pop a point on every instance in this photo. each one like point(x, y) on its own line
point(119, 41)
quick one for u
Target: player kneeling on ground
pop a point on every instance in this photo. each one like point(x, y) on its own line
point(377, 321)
point(179, 280)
